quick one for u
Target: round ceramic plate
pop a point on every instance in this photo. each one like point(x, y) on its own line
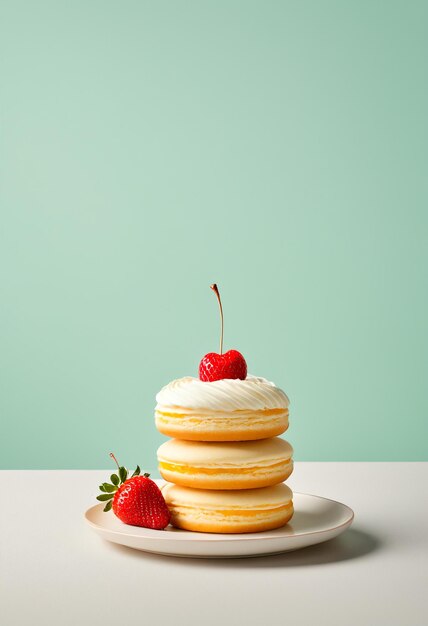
point(315, 520)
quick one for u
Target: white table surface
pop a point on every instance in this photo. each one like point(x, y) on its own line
point(55, 571)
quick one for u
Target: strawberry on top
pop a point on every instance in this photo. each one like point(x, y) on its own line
point(215, 366)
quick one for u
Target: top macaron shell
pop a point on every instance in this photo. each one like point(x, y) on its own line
point(245, 500)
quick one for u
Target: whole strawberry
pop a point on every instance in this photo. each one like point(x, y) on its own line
point(137, 500)
point(215, 366)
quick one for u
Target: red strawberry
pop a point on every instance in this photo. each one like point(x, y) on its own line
point(137, 500)
point(215, 366)
point(218, 366)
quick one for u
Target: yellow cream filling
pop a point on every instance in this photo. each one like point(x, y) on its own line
point(253, 513)
point(188, 469)
point(238, 512)
point(218, 422)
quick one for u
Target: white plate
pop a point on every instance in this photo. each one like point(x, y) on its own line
point(315, 520)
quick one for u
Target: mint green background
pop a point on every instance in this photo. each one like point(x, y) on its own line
point(151, 148)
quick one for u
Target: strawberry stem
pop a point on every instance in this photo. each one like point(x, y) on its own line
point(115, 460)
point(217, 293)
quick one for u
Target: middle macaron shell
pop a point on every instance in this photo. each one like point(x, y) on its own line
point(226, 465)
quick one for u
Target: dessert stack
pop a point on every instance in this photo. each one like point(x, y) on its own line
point(225, 465)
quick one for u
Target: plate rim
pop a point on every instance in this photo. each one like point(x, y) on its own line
point(200, 537)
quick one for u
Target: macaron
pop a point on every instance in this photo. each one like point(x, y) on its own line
point(222, 410)
point(237, 511)
point(226, 465)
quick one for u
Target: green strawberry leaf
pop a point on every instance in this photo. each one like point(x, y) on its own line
point(123, 474)
point(109, 488)
point(137, 472)
point(105, 496)
point(108, 506)
point(114, 479)
point(102, 488)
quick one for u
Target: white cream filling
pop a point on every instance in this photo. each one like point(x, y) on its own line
point(253, 393)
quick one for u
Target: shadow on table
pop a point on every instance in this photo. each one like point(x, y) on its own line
point(352, 544)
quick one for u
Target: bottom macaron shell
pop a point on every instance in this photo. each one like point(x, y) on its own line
point(190, 434)
point(245, 426)
point(270, 522)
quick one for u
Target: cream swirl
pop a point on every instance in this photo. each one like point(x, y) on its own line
point(253, 393)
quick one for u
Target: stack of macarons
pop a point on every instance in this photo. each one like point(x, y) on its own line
point(225, 465)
